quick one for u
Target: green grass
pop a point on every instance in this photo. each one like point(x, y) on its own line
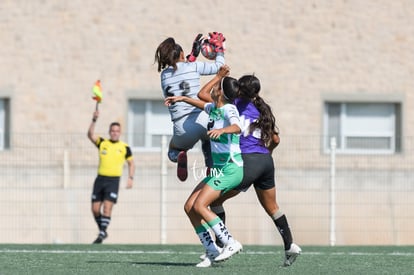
point(180, 259)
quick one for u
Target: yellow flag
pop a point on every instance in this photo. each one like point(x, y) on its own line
point(97, 91)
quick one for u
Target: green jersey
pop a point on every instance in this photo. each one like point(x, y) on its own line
point(226, 148)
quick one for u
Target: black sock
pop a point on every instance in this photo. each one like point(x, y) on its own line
point(98, 221)
point(284, 230)
point(222, 216)
point(105, 223)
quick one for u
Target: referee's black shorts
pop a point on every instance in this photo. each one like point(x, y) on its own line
point(105, 188)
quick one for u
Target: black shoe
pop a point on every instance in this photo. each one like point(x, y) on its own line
point(102, 236)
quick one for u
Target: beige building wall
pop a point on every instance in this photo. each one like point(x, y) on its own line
point(53, 51)
point(303, 52)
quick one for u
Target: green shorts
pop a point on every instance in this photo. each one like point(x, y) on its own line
point(225, 178)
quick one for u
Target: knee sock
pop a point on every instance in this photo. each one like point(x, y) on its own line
point(105, 223)
point(206, 239)
point(283, 227)
point(219, 211)
point(220, 229)
point(98, 221)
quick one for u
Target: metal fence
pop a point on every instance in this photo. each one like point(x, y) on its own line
point(338, 199)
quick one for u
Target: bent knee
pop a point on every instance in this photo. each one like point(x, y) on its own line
point(188, 207)
point(173, 154)
point(271, 211)
point(199, 208)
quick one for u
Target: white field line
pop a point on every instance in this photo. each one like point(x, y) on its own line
point(408, 254)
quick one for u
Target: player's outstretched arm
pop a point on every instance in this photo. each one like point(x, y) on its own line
point(195, 102)
point(204, 93)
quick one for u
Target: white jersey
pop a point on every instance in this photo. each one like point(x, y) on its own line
point(226, 148)
point(186, 81)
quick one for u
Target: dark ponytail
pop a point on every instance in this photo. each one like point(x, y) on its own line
point(249, 90)
point(167, 54)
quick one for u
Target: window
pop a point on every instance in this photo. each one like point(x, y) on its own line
point(148, 121)
point(4, 124)
point(363, 127)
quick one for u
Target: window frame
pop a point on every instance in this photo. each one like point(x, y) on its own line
point(344, 100)
point(4, 123)
point(148, 136)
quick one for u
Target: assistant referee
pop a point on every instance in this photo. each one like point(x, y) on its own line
point(112, 155)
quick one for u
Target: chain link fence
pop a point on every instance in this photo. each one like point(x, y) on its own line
point(337, 199)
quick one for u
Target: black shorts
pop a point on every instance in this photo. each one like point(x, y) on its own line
point(259, 170)
point(105, 188)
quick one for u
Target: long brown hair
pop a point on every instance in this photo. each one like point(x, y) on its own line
point(249, 90)
point(167, 54)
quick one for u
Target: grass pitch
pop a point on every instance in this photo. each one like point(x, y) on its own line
point(181, 259)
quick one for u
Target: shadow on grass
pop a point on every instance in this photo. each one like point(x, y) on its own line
point(142, 263)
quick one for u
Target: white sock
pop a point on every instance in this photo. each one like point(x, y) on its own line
point(221, 231)
point(208, 242)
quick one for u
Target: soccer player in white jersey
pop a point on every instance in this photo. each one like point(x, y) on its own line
point(182, 77)
point(227, 170)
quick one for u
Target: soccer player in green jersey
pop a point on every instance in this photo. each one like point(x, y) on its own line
point(227, 171)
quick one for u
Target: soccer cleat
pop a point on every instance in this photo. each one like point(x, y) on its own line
point(203, 256)
point(229, 250)
point(291, 254)
point(208, 259)
point(182, 173)
point(102, 236)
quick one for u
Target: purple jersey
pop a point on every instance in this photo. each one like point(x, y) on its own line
point(250, 142)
